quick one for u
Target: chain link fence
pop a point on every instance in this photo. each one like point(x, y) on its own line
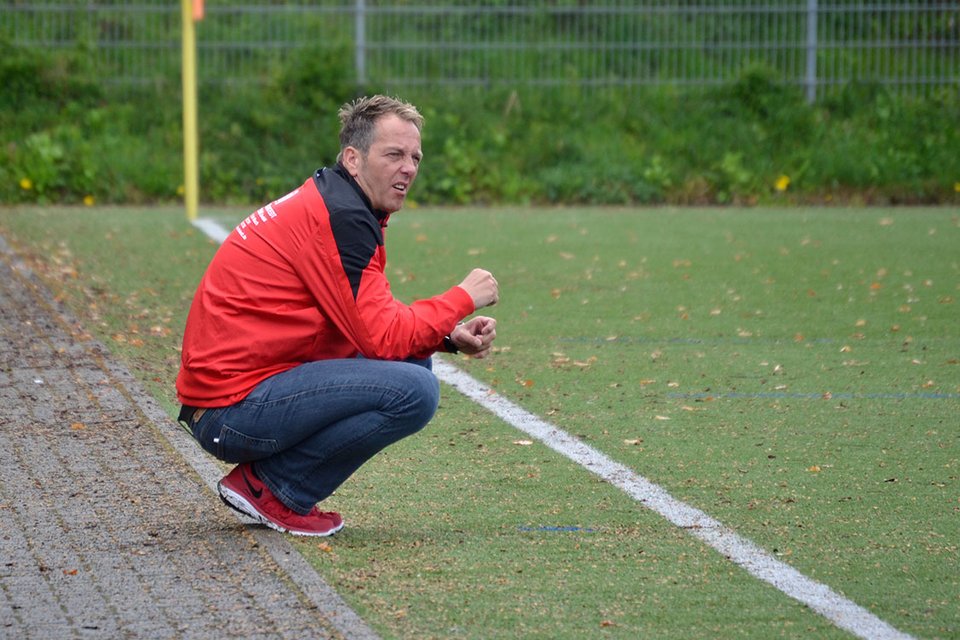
point(908, 46)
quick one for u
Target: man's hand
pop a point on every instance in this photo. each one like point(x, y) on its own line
point(475, 336)
point(482, 287)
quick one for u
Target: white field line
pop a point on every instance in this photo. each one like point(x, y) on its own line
point(842, 612)
point(212, 228)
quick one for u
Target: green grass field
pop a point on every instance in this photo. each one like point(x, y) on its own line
point(793, 373)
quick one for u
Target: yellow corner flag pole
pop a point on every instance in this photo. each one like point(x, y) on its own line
point(190, 10)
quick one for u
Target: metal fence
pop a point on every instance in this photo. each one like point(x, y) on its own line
point(909, 46)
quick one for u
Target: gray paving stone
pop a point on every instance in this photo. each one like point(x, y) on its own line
point(109, 526)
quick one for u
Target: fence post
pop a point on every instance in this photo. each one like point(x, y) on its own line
point(360, 41)
point(811, 79)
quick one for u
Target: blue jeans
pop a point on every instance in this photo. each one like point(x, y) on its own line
point(309, 428)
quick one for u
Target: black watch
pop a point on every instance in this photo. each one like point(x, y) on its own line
point(449, 346)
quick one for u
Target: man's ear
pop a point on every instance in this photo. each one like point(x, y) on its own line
point(351, 160)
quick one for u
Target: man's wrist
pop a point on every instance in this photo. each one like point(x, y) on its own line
point(449, 345)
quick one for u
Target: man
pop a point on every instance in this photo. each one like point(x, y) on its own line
point(297, 361)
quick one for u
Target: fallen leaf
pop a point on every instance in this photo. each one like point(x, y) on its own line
point(325, 547)
point(814, 469)
point(78, 426)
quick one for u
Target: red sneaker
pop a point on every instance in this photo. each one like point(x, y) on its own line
point(243, 491)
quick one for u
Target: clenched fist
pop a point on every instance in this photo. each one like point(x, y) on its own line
point(482, 287)
point(475, 336)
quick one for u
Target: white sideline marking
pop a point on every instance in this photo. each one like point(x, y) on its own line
point(843, 613)
point(212, 228)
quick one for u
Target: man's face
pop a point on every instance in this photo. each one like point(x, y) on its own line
point(387, 171)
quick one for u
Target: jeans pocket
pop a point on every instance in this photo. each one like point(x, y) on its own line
point(233, 446)
point(202, 429)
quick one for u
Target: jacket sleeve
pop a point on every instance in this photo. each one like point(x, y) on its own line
point(343, 267)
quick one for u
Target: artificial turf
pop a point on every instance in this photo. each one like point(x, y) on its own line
point(794, 373)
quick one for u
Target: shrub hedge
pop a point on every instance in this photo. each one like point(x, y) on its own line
point(66, 138)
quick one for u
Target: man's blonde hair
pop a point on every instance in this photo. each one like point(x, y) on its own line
point(358, 120)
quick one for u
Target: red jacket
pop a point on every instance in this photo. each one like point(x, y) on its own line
point(302, 279)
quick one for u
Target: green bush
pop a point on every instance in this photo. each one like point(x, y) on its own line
point(45, 153)
point(754, 140)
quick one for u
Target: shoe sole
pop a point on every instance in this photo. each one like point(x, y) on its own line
point(240, 504)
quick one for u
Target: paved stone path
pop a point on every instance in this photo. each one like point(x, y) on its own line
point(109, 525)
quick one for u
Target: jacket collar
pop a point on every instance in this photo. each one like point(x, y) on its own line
point(341, 171)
